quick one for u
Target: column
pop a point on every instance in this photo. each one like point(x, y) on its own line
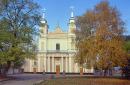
point(92, 69)
point(66, 65)
point(76, 67)
point(38, 66)
point(62, 68)
point(30, 69)
point(70, 64)
point(44, 63)
point(52, 64)
point(48, 64)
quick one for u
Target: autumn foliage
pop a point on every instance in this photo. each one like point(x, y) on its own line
point(100, 38)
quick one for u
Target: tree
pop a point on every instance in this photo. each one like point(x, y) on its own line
point(126, 69)
point(127, 45)
point(18, 20)
point(100, 38)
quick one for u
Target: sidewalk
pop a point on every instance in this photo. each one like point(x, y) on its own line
point(5, 79)
point(23, 79)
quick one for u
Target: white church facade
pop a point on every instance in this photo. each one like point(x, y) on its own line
point(56, 51)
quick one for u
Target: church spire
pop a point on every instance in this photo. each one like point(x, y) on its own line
point(43, 15)
point(72, 11)
point(72, 25)
point(44, 25)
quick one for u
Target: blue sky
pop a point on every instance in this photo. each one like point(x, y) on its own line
point(58, 11)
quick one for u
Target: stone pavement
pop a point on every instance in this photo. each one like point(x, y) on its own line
point(25, 79)
point(30, 79)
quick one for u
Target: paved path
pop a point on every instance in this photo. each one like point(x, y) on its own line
point(30, 79)
point(25, 79)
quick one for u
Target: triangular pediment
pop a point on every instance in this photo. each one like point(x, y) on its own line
point(58, 30)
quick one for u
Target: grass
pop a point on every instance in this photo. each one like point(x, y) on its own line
point(86, 81)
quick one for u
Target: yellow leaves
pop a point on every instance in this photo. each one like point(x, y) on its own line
point(106, 43)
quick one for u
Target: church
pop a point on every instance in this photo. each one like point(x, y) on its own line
point(56, 50)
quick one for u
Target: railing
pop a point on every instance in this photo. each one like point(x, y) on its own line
point(58, 51)
point(61, 51)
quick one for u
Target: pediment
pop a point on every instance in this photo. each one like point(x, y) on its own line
point(58, 30)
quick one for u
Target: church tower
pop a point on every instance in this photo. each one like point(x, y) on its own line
point(72, 26)
point(71, 32)
point(44, 25)
point(43, 33)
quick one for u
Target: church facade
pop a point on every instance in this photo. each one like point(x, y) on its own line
point(56, 51)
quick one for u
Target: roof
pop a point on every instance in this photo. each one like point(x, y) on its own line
point(57, 30)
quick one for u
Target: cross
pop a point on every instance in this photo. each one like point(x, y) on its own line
point(72, 9)
point(44, 10)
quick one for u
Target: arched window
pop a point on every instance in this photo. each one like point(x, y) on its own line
point(73, 44)
point(57, 46)
point(35, 63)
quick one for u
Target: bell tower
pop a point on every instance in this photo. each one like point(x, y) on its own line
point(72, 26)
point(71, 32)
point(44, 25)
point(43, 33)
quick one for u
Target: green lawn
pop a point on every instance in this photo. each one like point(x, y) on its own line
point(86, 81)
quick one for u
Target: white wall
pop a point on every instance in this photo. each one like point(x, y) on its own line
point(51, 44)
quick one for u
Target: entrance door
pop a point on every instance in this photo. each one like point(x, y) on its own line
point(57, 69)
point(81, 71)
point(34, 70)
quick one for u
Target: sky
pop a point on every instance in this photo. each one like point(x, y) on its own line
point(58, 11)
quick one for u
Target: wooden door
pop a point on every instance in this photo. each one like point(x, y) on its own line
point(57, 69)
point(34, 70)
point(81, 71)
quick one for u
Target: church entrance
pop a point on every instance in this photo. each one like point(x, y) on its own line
point(34, 70)
point(57, 69)
point(57, 65)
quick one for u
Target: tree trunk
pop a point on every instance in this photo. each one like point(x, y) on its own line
point(110, 72)
point(13, 69)
point(101, 73)
point(105, 72)
point(6, 68)
point(0, 69)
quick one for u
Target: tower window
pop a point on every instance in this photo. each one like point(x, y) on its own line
point(35, 63)
point(57, 46)
point(42, 46)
